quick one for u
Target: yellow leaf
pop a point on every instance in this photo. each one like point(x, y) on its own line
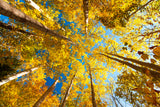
point(96, 41)
point(63, 46)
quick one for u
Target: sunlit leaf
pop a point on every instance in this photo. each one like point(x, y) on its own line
point(144, 56)
point(156, 51)
point(153, 61)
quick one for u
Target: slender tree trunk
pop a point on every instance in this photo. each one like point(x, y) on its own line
point(154, 74)
point(34, 5)
point(92, 88)
point(141, 8)
point(77, 100)
point(6, 26)
point(85, 7)
point(150, 65)
point(67, 92)
point(118, 101)
point(157, 31)
point(17, 75)
point(114, 101)
point(10, 11)
point(147, 34)
point(41, 99)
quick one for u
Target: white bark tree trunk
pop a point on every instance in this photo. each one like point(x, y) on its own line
point(92, 88)
point(85, 7)
point(67, 92)
point(10, 11)
point(34, 5)
point(17, 75)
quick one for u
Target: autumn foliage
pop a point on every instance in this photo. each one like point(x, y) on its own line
point(75, 53)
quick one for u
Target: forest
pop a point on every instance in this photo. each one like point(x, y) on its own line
point(79, 53)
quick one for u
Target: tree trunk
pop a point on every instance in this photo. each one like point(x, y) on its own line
point(150, 65)
point(118, 101)
point(10, 11)
point(6, 26)
point(154, 74)
point(41, 99)
point(77, 100)
point(114, 101)
point(34, 5)
point(147, 34)
point(92, 88)
point(17, 75)
point(67, 92)
point(140, 8)
point(85, 7)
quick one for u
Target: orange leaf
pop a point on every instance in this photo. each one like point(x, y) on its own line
point(144, 56)
point(154, 97)
point(150, 84)
point(137, 89)
point(156, 51)
point(148, 98)
point(153, 61)
point(147, 91)
point(147, 72)
point(156, 57)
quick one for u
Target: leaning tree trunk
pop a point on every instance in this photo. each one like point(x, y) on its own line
point(152, 73)
point(114, 101)
point(67, 92)
point(118, 101)
point(76, 102)
point(41, 99)
point(17, 75)
point(85, 9)
point(34, 5)
point(150, 65)
point(10, 11)
point(92, 88)
point(6, 26)
point(141, 8)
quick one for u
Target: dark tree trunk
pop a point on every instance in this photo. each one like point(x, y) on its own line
point(141, 8)
point(154, 74)
point(6, 26)
point(67, 92)
point(92, 88)
point(150, 65)
point(10, 11)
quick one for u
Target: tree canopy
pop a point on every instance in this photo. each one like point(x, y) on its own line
point(75, 53)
